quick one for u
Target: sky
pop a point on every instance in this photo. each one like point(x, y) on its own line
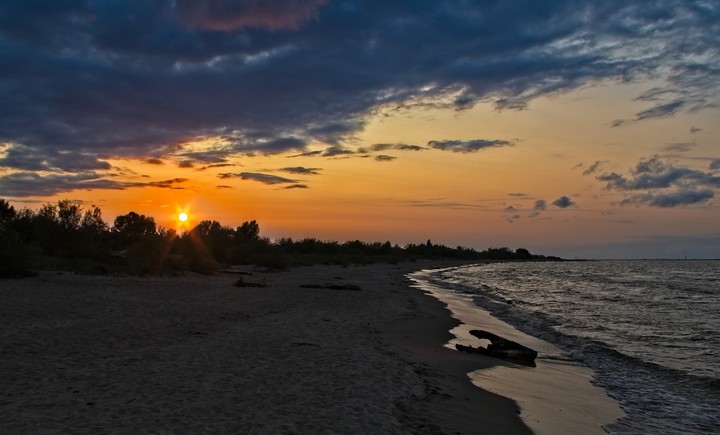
point(583, 129)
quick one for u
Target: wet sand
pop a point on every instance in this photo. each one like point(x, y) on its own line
point(556, 396)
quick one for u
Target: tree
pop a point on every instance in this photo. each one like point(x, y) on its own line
point(207, 229)
point(68, 215)
point(7, 212)
point(248, 231)
point(92, 221)
point(132, 227)
point(215, 237)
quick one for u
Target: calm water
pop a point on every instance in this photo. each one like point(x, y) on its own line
point(649, 329)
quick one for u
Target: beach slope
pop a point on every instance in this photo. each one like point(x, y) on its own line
point(196, 354)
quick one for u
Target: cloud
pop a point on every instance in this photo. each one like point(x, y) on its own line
point(469, 146)
point(336, 151)
point(444, 204)
point(671, 199)
point(27, 158)
point(145, 78)
point(228, 15)
point(592, 168)
point(679, 147)
point(563, 202)
point(511, 214)
point(308, 154)
point(389, 146)
point(217, 165)
point(190, 158)
point(384, 158)
point(658, 111)
point(335, 132)
point(296, 186)
point(654, 173)
point(262, 178)
point(26, 183)
point(538, 208)
point(268, 145)
point(666, 185)
point(302, 170)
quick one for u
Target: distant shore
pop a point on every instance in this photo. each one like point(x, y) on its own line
point(92, 354)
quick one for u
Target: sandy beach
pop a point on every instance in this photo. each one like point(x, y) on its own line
point(196, 354)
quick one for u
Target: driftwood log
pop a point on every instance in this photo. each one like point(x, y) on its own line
point(499, 348)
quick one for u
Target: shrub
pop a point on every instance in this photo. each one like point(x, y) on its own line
point(16, 260)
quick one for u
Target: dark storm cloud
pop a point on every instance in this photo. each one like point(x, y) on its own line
point(563, 202)
point(139, 78)
point(715, 164)
point(467, 146)
point(666, 185)
point(233, 14)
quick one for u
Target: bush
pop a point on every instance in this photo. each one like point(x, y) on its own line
point(16, 260)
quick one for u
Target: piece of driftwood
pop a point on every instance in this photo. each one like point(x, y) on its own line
point(242, 283)
point(499, 347)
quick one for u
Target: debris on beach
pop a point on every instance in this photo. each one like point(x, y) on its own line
point(242, 283)
point(499, 347)
point(350, 287)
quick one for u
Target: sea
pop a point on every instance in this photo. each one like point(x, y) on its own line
point(649, 329)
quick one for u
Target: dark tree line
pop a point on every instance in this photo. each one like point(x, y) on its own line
point(66, 236)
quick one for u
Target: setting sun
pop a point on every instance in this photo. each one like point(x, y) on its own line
point(183, 217)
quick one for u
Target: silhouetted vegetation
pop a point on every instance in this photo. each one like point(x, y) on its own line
point(64, 236)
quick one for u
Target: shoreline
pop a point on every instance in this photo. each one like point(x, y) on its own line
point(90, 354)
point(555, 397)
